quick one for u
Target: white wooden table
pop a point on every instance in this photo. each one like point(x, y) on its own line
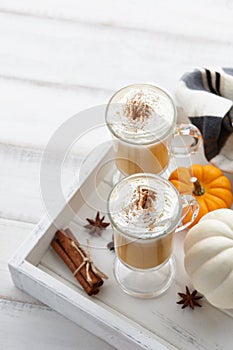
point(60, 57)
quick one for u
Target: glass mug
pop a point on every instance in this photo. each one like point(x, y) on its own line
point(145, 210)
point(142, 120)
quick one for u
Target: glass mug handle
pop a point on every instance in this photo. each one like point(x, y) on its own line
point(189, 206)
point(187, 130)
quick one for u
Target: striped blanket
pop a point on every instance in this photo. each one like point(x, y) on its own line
point(206, 96)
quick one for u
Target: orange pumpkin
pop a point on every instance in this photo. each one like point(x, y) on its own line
point(207, 184)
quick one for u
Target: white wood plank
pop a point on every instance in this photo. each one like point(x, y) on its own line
point(30, 113)
point(98, 56)
point(209, 19)
point(20, 192)
point(20, 182)
point(12, 235)
point(25, 327)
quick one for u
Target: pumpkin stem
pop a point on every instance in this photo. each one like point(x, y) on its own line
point(198, 190)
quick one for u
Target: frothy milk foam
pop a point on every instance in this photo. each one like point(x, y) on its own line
point(142, 122)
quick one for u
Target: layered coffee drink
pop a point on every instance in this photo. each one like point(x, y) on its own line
point(142, 119)
point(144, 217)
point(143, 254)
point(145, 210)
point(136, 159)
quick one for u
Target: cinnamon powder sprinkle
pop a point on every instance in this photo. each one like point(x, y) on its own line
point(137, 108)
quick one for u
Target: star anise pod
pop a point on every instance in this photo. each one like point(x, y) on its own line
point(189, 299)
point(96, 225)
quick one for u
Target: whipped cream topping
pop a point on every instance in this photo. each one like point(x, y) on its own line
point(144, 210)
point(141, 115)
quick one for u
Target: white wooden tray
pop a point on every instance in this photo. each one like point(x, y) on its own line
point(123, 321)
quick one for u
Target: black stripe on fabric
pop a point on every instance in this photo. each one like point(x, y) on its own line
point(217, 82)
point(208, 75)
point(210, 128)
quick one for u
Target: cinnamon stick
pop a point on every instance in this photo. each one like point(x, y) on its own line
point(96, 280)
point(60, 251)
point(66, 242)
point(78, 261)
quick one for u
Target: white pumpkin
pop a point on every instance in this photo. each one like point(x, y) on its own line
point(208, 248)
